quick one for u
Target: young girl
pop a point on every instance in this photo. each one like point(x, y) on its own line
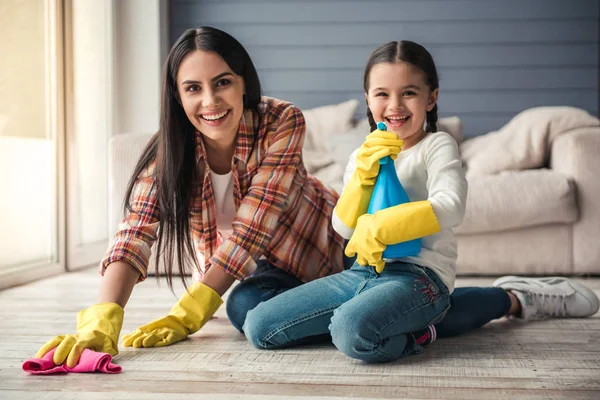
point(222, 184)
point(373, 310)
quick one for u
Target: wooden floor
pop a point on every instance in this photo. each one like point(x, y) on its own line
point(504, 360)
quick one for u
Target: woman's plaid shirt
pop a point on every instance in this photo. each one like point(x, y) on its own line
point(283, 213)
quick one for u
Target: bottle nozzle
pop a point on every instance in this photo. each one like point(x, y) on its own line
point(381, 126)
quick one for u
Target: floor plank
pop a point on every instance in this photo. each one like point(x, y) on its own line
point(504, 360)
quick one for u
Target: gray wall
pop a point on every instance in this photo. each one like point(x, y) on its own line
point(495, 57)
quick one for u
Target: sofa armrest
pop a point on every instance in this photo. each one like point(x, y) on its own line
point(576, 154)
point(124, 151)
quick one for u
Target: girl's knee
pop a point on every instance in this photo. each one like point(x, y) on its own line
point(349, 335)
point(358, 338)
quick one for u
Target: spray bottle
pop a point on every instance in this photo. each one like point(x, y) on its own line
point(388, 192)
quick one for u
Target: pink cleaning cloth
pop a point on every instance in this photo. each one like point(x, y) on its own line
point(90, 361)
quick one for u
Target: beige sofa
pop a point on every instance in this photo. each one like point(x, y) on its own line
point(543, 220)
point(540, 221)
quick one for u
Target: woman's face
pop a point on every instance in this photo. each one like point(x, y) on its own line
point(399, 96)
point(211, 95)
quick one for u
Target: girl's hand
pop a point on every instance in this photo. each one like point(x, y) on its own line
point(377, 145)
point(365, 245)
point(391, 225)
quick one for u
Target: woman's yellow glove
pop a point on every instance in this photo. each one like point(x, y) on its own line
point(391, 225)
point(356, 196)
point(98, 329)
point(192, 311)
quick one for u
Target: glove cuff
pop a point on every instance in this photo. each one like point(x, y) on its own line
point(197, 305)
point(103, 316)
point(405, 222)
point(354, 201)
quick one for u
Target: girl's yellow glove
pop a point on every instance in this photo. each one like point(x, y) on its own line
point(392, 225)
point(192, 311)
point(356, 196)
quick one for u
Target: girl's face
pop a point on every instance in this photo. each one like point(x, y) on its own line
point(211, 95)
point(399, 96)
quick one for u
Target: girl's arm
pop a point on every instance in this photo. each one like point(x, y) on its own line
point(444, 208)
point(446, 183)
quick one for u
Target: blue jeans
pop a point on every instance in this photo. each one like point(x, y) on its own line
point(470, 307)
point(370, 316)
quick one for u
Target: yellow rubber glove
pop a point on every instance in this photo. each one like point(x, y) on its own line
point(356, 196)
point(196, 306)
point(392, 225)
point(98, 329)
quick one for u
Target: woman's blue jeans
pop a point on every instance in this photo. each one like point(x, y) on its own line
point(470, 307)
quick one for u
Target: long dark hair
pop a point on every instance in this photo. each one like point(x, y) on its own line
point(414, 54)
point(173, 146)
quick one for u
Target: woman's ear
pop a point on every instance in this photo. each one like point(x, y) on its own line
point(433, 98)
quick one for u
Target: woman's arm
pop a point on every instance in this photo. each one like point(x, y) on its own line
point(120, 278)
point(117, 283)
point(218, 280)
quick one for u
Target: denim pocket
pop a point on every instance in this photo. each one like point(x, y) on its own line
point(428, 280)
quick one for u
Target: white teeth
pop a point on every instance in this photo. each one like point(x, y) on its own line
point(403, 118)
point(214, 117)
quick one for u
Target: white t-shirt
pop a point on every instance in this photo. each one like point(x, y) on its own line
point(430, 170)
point(225, 207)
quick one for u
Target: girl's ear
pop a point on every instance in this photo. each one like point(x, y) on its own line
point(367, 99)
point(433, 98)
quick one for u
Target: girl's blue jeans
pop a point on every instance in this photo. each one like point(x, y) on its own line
point(368, 316)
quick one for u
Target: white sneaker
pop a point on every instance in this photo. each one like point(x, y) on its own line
point(550, 297)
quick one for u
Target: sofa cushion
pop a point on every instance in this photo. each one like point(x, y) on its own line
point(518, 199)
point(323, 122)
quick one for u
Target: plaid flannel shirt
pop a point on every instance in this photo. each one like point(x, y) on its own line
point(282, 213)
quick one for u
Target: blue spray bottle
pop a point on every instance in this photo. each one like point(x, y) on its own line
point(388, 192)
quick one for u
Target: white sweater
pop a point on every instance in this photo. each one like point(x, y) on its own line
point(430, 170)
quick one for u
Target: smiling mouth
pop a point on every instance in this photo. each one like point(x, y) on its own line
point(403, 118)
point(214, 117)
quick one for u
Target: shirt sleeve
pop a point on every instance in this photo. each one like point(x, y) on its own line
point(138, 229)
point(259, 212)
point(446, 183)
point(338, 225)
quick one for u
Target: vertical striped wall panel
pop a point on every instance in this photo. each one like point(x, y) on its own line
point(495, 57)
